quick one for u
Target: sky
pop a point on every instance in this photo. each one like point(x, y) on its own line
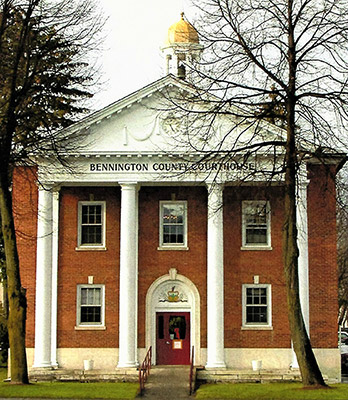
point(134, 33)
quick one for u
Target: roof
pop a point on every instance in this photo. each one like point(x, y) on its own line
point(182, 32)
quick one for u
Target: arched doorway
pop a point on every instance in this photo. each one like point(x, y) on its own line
point(173, 319)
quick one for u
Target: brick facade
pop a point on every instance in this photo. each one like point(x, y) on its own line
point(240, 265)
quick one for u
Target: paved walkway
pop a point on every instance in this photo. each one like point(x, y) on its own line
point(169, 382)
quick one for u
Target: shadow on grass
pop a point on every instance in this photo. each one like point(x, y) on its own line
point(271, 391)
point(68, 390)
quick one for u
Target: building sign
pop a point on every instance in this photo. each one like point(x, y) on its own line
point(173, 167)
point(177, 344)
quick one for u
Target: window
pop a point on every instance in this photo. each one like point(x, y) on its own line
point(256, 225)
point(173, 224)
point(91, 228)
point(257, 306)
point(90, 305)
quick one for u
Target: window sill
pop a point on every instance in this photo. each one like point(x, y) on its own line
point(90, 328)
point(262, 248)
point(180, 248)
point(257, 328)
point(91, 248)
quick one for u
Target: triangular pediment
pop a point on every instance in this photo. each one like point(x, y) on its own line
point(149, 121)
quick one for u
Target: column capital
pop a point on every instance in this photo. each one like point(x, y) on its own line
point(128, 183)
point(214, 186)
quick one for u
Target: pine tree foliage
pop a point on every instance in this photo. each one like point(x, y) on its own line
point(45, 80)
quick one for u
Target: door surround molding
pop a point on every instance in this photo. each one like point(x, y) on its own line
point(188, 299)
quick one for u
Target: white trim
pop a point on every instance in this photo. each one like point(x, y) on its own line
point(253, 326)
point(79, 324)
point(192, 306)
point(256, 246)
point(92, 246)
point(172, 246)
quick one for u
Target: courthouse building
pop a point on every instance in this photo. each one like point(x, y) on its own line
point(144, 243)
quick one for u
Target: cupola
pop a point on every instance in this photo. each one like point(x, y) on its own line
point(181, 47)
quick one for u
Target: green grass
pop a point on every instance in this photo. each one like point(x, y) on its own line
point(68, 390)
point(270, 391)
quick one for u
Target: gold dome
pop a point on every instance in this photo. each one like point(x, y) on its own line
point(182, 32)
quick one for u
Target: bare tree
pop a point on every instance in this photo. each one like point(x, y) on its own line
point(44, 76)
point(279, 61)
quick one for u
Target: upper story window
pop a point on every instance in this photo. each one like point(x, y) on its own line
point(173, 225)
point(256, 225)
point(91, 228)
point(90, 306)
point(257, 306)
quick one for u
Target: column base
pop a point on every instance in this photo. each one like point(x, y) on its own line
point(42, 368)
point(217, 365)
point(128, 365)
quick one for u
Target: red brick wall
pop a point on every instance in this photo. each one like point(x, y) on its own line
point(76, 266)
point(322, 257)
point(154, 263)
point(241, 266)
point(25, 200)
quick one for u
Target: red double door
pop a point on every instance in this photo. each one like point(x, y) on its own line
point(172, 338)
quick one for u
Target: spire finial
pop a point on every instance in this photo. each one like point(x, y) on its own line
point(182, 15)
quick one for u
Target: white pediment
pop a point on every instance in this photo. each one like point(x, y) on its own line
point(147, 122)
point(144, 137)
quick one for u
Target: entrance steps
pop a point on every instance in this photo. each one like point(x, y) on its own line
point(168, 382)
point(80, 375)
point(171, 376)
point(244, 375)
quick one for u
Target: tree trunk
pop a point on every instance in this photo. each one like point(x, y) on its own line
point(311, 374)
point(16, 294)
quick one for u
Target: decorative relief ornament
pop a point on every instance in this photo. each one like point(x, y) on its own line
point(172, 296)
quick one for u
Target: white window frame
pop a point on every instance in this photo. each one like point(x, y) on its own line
point(91, 246)
point(257, 325)
point(84, 325)
point(256, 246)
point(172, 246)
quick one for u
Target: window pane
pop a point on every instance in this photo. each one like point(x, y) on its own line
point(91, 234)
point(91, 305)
point(90, 296)
point(91, 224)
point(91, 214)
point(177, 326)
point(256, 305)
point(90, 314)
point(256, 235)
point(256, 220)
point(83, 296)
point(256, 314)
point(173, 219)
point(160, 327)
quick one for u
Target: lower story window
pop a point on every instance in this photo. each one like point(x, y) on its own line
point(90, 305)
point(257, 306)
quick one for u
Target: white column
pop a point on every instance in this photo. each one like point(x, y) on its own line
point(215, 278)
point(302, 227)
point(303, 263)
point(128, 277)
point(55, 241)
point(43, 300)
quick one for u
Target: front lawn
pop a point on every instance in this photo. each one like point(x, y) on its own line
point(270, 391)
point(68, 390)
